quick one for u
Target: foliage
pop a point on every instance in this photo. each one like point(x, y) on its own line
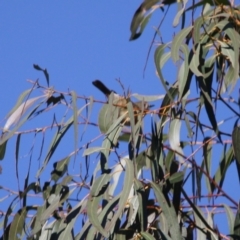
point(163, 188)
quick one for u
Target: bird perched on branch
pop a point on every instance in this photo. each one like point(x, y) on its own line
point(121, 103)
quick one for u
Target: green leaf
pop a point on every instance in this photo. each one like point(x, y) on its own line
point(104, 216)
point(188, 126)
point(37, 224)
point(65, 230)
point(147, 236)
point(169, 159)
point(168, 212)
point(89, 112)
point(110, 116)
point(13, 118)
point(44, 71)
point(54, 203)
point(183, 72)
point(3, 147)
point(180, 13)
point(92, 150)
point(146, 98)
point(166, 105)
point(60, 168)
point(19, 101)
point(174, 137)
point(158, 55)
point(109, 141)
point(177, 43)
point(136, 21)
point(228, 51)
point(11, 206)
point(75, 118)
point(73, 215)
point(17, 225)
point(207, 156)
point(56, 140)
point(197, 29)
point(176, 177)
point(142, 195)
point(128, 182)
point(194, 61)
point(199, 223)
point(225, 161)
point(229, 29)
point(139, 21)
point(230, 217)
point(235, 142)
point(236, 228)
point(99, 187)
point(228, 78)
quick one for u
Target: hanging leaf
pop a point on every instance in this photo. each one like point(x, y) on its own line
point(60, 169)
point(174, 137)
point(139, 21)
point(44, 71)
point(236, 228)
point(235, 142)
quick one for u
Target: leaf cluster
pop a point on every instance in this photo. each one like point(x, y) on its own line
point(162, 188)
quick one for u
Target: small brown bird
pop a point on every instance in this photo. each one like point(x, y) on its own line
point(120, 102)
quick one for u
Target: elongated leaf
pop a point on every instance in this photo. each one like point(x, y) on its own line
point(19, 101)
point(19, 112)
point(194, 61)
point(184, 72)
point(17, 225)
point(147, 236)
point(108, 209)
point(98, 188)
point(139, 21)
point(147, 98)
point(168, 212)
point(174, 137)
point(110, 140)
point(56, 140)
point(177, 42)
point(128, 182)
point(236, 228)
point(92, 150)
point(234, 36)
point(200, 224)
point(60, 168)
point(235, 142)
point(159, 53)
point(230, 218)
point(180, 13)
point(166, 105)
point(196, 29)
point(89, 112)
point(176, 177)
point(75, 118)
point(37, 222)
point(225, 162)
point(5, 221)
point(109, 116)
point(37, 67)
point(3, 147)
point(9, 134)
point(207, 155)
point(54, 203)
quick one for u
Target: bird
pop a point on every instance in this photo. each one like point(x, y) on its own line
point(120, 102)
point(102, 87)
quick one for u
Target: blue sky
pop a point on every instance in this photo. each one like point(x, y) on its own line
point(78, 42)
